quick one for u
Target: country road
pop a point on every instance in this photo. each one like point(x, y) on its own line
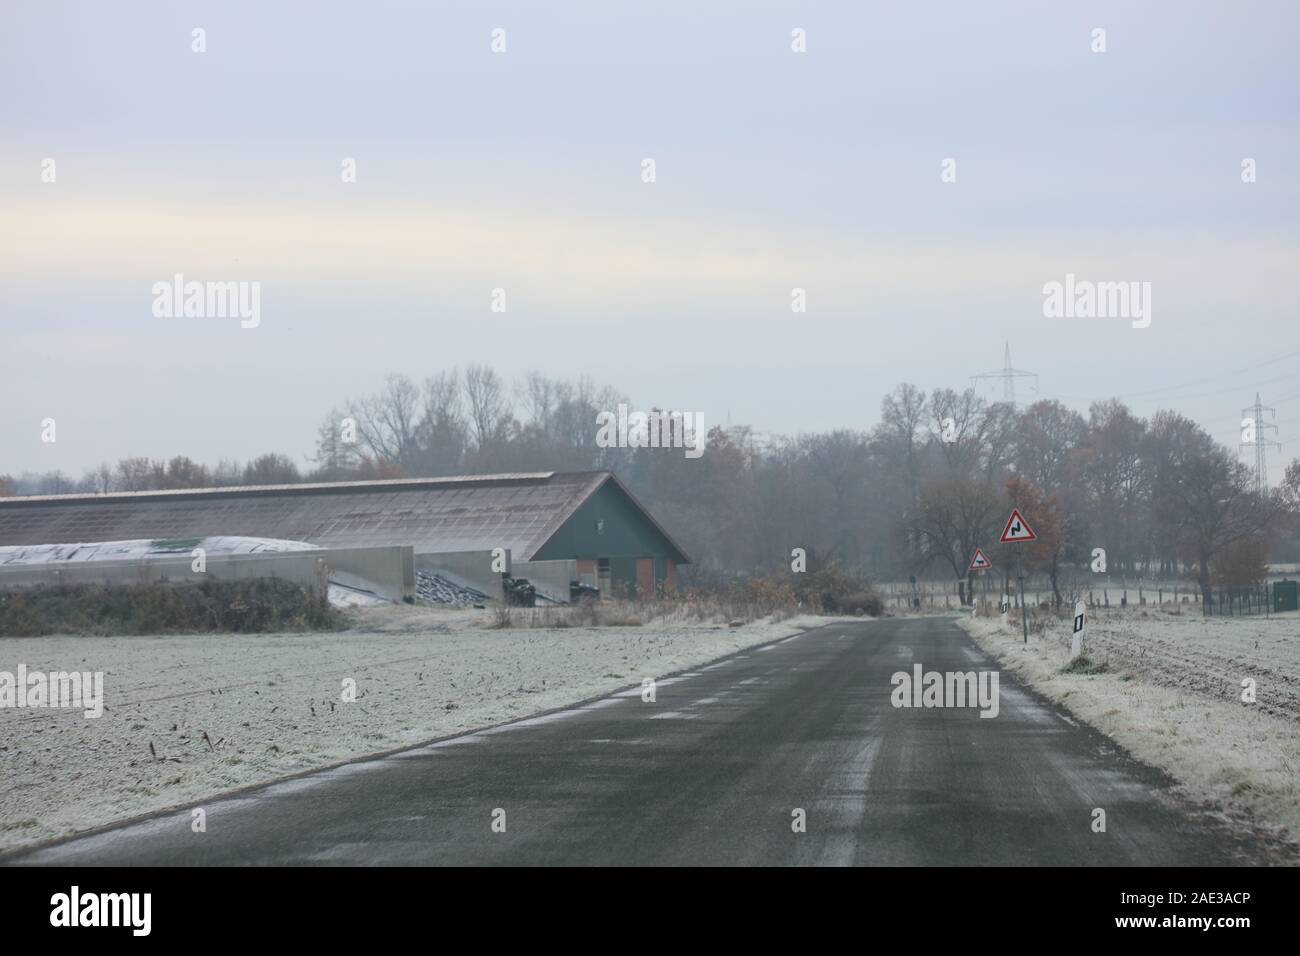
point(712, 772)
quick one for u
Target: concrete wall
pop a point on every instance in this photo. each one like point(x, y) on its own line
point(551, 578)
point(388, 572)
point(472, 568)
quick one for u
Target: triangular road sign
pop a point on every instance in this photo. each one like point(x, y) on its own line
point(980, 562)
point(1017, 529)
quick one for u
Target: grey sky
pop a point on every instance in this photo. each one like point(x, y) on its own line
point(521, 170)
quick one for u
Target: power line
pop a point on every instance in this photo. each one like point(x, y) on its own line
point(1177, 398)
point(1212, 378)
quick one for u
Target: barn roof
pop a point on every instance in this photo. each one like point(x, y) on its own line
point(519, 511)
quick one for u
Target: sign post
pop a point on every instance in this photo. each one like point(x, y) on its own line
point(1024, 612)
point(978, 563)
point(1017, 530)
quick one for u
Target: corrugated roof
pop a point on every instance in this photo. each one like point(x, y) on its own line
point(515, 511)
point(300, 488)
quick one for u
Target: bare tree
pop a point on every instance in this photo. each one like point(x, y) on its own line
point(1204, 496)
point(387, 422)
point(488, 407)
point(1115, 479)
point(954, 518)
point(99, 480)
point(227, 473)
point(138, 474)
point(443, 434)
point(1046, 432)
point(271, 469)
point(184, 472)
point(337, 448)
point(961, 424)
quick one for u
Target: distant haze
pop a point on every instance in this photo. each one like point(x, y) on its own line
point(522, 171)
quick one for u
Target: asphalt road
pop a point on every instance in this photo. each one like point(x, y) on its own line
point(712, 772)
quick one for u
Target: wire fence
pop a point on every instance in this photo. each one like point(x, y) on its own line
point(1265, 599)
point(1240, 602)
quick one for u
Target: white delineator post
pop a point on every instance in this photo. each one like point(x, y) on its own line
point(1076, 642)
point(1005, 607)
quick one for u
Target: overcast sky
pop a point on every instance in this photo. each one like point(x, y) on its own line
point(523, 170)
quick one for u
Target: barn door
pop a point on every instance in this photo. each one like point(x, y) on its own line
point(645, 577)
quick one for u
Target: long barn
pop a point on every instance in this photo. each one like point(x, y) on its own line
point(590, 518)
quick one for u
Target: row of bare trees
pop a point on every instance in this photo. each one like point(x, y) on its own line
point(153, 474)
point(916, 494)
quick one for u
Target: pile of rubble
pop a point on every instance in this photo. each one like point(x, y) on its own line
point(435, 589)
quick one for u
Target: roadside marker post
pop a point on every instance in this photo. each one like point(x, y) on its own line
point(1080, 632)
point(1017, 531)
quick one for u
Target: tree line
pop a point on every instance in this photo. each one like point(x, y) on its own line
point(1154, 498)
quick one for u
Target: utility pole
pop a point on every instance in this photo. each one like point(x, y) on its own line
point(1256, 416)
point(1008, 374)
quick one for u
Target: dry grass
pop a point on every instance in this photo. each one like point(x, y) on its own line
point(664, 611)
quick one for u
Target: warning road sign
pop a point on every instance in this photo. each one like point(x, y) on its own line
point(980, 562)
point(1017, 529)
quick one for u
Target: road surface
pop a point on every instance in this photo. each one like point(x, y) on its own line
point(714, 772)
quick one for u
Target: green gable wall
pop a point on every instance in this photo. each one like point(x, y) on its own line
point(627, 535)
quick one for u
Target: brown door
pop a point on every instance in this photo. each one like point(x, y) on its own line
point(645, 577)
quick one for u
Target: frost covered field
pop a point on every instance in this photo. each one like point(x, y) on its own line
point(1171, 695)
point(271, 706)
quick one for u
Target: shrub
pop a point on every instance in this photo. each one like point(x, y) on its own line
point(243, 606)
point(1085, 665)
